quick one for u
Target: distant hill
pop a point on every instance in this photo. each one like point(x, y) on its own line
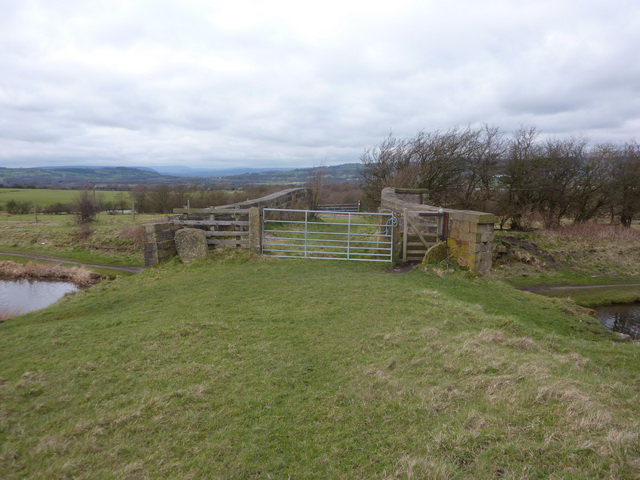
point(77, 177)
point(181, 171)
point(80, 176)
point(347, 172)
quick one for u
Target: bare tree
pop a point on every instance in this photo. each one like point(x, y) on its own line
point(85, 208)
point(387, 165)
point(139, 195)
point(556, 171)
point(519, 191)
point(160, 198)
point(180, 196)
point(449, 164)
point(317, 186)
point(626, 182)
point(522, 179)
point(481, 169)
point(592, 185)
point(441, 158)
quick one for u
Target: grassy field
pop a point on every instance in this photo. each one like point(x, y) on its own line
point(114, 240)
point(246, 367)
point(43, 197)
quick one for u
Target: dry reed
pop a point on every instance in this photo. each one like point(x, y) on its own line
point(592, 230)
point(79, 276)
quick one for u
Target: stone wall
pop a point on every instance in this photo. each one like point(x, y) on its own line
point(470, 239)
point(470, 232)
point(289, 198)
point(160, 244)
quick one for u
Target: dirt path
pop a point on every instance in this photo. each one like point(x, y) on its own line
point(70, 262)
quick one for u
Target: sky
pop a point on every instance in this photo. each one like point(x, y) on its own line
point(301, 83)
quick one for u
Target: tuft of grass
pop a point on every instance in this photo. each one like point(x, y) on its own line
point(245, 367)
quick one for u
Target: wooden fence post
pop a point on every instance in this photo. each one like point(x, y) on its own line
point(255, 229)
point(405, 235)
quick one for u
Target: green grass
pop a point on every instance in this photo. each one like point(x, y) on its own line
point(43, 197)
point(592, 297)
point(114, 240)
point(245, 367)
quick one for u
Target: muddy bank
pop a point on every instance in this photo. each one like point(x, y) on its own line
point(79, 276)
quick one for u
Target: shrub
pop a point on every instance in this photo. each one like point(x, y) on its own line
point(84, 208)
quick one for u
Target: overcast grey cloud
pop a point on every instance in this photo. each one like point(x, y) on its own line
point(213, 83)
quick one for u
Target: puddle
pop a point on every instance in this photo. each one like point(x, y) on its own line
point(23, 296)
point(621, 318)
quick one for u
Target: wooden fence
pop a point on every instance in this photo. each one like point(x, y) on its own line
point(229, 228)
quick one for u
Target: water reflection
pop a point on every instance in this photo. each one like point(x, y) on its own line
point(22, 296)
point(621, 318)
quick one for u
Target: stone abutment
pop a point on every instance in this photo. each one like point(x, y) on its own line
point(470, 233)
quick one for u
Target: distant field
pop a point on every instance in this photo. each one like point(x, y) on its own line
point(44, 197)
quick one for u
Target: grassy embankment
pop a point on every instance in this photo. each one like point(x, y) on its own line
point(245, 367)
point(577, 255)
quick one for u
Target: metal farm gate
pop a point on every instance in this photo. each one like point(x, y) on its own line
point(328, 235)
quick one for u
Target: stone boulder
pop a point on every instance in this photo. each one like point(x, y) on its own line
point(191, 244)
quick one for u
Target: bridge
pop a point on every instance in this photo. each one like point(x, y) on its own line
point(410, 228)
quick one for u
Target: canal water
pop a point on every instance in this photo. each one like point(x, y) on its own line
point(23, 296)
point(621, 318)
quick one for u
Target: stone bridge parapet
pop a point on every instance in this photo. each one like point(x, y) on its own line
point(470, 233)
point(289, 198)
